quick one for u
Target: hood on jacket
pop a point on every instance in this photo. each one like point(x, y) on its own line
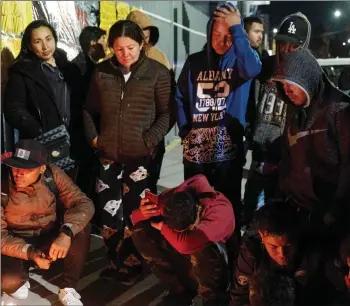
point(211, 54)
point(145, 23)
point(301, 69)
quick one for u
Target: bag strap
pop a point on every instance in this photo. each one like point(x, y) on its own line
point(50, 182)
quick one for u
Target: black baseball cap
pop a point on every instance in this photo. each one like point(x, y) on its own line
point(29, 154)
point(293, 30)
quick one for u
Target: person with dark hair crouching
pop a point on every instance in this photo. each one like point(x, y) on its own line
point(181, 234)
point(275, 266)
point(337, 273)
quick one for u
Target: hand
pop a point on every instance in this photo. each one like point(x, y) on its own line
point(59, 248)
point(157, 225)
point(94, 142)
point(106, 162)
point(41, 260)
point(347, 281)
point(149, 210)
point(328, 219)
point(229, 15)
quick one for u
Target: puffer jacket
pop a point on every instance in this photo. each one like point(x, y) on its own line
point(31, 211)
point(133, 116)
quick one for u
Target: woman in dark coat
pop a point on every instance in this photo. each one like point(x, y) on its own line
point(126, 116)
point(37, 97)
point(38, 92)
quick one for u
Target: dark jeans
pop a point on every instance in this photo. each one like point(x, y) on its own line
point(85, 178)
point(258, 190)
point(204, 272)
point(119, 189)
point(155, 167)
point(15, 271)
point(225, 177)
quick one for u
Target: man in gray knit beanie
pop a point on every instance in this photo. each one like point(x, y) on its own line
point(301, 76)
point(315, 165)
point(266, 116)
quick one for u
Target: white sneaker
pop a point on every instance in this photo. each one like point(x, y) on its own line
point(69, 297)
point(22, 292)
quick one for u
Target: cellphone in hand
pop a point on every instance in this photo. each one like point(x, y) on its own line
point(151, 197)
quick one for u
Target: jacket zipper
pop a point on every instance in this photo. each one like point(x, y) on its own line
point(123, 85)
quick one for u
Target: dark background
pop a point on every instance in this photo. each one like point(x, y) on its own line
point(328, 32)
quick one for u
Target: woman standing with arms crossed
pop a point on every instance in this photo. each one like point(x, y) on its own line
point(126, 116)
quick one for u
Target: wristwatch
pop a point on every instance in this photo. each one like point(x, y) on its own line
point(66, 230)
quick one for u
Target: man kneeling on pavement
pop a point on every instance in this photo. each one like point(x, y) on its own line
point(31, 229)
point(182, 238)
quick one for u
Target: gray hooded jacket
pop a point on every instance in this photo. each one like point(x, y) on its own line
point(271, 109)
point(315, 165)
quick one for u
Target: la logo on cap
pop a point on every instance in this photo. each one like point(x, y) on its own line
point(21, 153)
point(292, 29)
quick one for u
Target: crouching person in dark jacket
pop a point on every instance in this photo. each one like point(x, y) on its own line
point(184, 234)
point(30, 225)
point(337, 272)
point(274, 266)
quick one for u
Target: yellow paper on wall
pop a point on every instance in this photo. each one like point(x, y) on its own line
point(107, 14)
point(15, 15)
point(111, 12)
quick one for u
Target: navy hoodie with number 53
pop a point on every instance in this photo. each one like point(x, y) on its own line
point(212, 95)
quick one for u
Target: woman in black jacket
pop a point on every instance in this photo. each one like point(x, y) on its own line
point(36, 98)
point(37, 95)
point(126, 116)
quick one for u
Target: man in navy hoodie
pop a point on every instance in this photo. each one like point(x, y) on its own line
point(211, 97)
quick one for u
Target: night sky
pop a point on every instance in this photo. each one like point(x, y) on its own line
point(318, 12)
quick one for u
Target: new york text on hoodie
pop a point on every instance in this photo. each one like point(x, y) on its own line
point(212, 96)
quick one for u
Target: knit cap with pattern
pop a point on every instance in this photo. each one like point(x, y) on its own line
point(300, 68)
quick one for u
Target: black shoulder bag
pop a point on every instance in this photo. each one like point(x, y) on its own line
point(57, 142)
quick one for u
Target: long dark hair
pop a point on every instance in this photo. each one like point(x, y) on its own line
point(129, 29)
point(27, 36)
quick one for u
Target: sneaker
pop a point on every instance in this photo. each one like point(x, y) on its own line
point(22, 292)
point(109, 273)
point(69, 297)
point(128, 275)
